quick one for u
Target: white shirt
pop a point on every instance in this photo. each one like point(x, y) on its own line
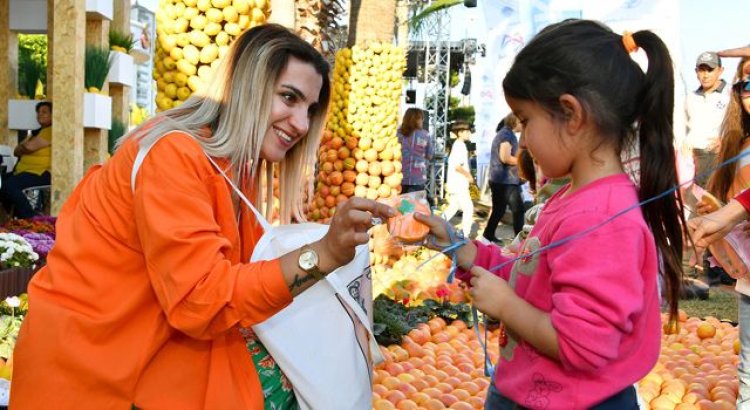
point(459, 156)
point(704, 114)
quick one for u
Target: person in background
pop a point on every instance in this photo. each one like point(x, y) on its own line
point(459, 177)
point(704, 109)
point(148, 299)
point(727, 182)
point(417, 149)
point(580, 308)
point(505, 184)
point(33, 167)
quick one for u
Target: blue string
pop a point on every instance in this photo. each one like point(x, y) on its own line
point(618, 214)
point(489, 369)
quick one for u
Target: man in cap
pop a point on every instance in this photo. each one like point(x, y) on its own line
point(705, 109)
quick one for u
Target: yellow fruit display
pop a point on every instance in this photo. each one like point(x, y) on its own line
point(360, 154)
point(191, 36)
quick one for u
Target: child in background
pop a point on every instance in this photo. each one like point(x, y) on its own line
point(581, 319)
point(728, 182)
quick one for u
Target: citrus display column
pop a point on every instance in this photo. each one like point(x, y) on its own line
point(95, 139)
point(6, 80)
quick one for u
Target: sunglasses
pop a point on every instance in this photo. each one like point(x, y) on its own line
point(742, 88)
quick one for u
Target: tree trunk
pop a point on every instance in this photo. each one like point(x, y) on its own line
point(371, 20)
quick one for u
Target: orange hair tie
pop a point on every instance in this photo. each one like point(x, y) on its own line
point(629, 42)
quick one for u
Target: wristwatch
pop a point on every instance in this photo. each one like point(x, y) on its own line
point(308, 261)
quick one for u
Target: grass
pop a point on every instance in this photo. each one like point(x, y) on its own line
point(97, 66)
point(121, 39)
point(721, 303)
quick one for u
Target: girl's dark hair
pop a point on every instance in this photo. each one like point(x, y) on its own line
point(412, 121)
point(587, 60)
point(734, 129)
point(526, 169)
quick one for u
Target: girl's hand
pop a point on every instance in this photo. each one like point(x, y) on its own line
point(438, 229)
point(349, 226)
point(487, 291)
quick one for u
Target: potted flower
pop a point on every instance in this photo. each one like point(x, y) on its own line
point(17, 264)
point(97, 107)
point(123, 67)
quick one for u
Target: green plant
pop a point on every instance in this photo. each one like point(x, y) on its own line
point(98, 63)
point(32, 48)
point(29, 73)
point(466, 113)
point(393, 320)
point(115, 132)
point(122, 40)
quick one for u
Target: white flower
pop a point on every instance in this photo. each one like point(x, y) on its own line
point(13, 301)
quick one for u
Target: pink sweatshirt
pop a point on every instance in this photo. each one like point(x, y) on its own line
point(600, 290)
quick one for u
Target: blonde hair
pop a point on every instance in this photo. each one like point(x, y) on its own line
point(229, 119)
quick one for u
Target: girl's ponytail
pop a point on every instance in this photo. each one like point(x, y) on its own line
point(665, 215)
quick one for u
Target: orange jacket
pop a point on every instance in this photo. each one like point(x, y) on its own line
point(142, 294)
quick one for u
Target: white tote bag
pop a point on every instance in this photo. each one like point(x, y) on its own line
point(322, 341)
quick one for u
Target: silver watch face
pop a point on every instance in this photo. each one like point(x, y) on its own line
point(308, 259)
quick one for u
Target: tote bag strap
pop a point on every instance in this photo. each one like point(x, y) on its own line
point(144, 150)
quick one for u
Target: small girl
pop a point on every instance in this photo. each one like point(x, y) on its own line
point(581, 310)
point(728, 182)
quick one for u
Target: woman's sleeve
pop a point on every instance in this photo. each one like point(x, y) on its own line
point(188, 257)
point(744, 199)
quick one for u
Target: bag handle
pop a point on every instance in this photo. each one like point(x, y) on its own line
point(144, 150)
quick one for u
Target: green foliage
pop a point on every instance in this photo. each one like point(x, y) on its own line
point(466, 113)
point(120, 39)
point(116, 131)
point(98, 63)
point(32, 62)
point(29, 73)
point(393, 320)
point(454, 78)
point(416, 23)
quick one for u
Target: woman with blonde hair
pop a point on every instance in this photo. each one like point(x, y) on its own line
point(146, 294)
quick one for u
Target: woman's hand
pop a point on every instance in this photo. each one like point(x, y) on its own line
point(706, 206)
point(708, 228)
point(349, 226)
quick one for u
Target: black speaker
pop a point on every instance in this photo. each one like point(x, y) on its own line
point(411, 63)
point(411, 96)
point(470, 3)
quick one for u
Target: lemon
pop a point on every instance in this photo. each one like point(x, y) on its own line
point(203, 5)
point(232, 29)
point(198, 22)
point(170, 90)
point(191, 54)
point(214, 15)
point(220, 4)
point(230, 14)
point(180, 79)
point(195, 83)
point(185, 67)
point(176, 54)
point(209, 53)
point(6, 373)
point(199, 38)
point(212, 28)
point(222, 38)
point(183, 93)
point(242, 6)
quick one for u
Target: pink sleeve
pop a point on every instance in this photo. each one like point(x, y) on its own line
point(488, 256)
point(598, 288)
point(744, 199)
